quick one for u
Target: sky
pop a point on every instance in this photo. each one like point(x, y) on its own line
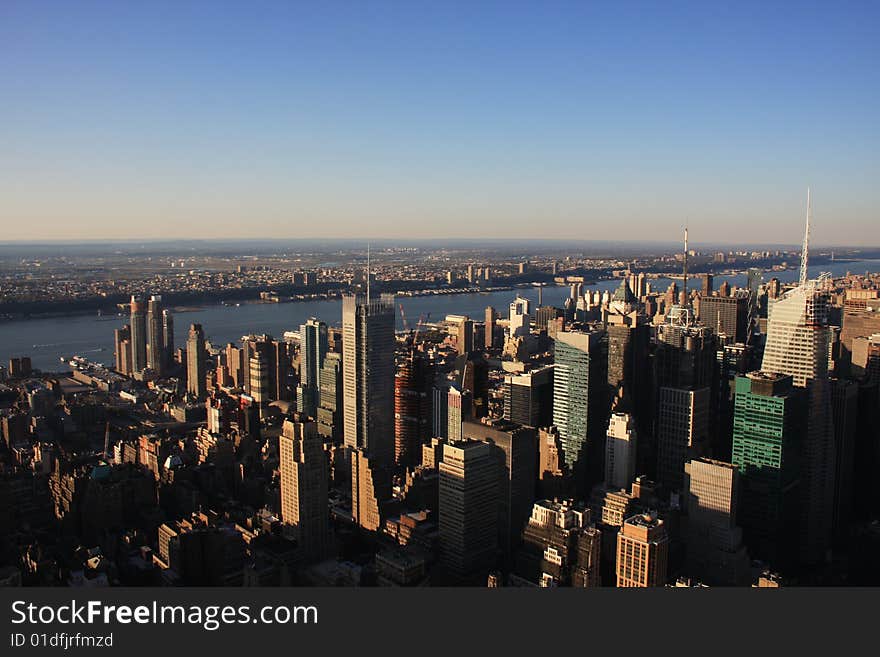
point(570, 120)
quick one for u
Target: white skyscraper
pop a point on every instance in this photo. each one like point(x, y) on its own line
point(620, 452)
point(797, 344)
point(520, 317)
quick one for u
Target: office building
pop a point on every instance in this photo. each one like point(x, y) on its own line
point(156, 358)
point(516, 449)
point(716, 554)
point(138, 324)
point(798, 340)
point(560, 547)
point(579, 401)
point(728, 317)
point(768, 429)
point(412, 407)
point(196, 367)
point(313, 348)
point(457, 409)
point(489, 332)
point(368, 375)
point(122, 350)
point(642, 552)
point(468, 511)
point(520, 322)
point(370, 491)
point(331, 401)
point(304, 496)
point(528, 397)
point(620, 451)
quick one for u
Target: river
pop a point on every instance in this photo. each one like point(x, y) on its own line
point(46, 340)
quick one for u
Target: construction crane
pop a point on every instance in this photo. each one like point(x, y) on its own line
point(422, 319)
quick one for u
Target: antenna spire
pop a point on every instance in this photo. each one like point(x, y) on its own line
point(805, 250)
point(685, 283)
point(368, 273)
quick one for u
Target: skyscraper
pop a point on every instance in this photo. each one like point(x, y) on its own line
point(304, 496)
point(138, 323)
point(468, 511)
point(768, 436)
point(368, 375)
point(412, 407)
point(798, 340)
point(528, 397)
point(579, 400)
point(715, 551)
point(331, 400)
point(520, 322)
point(155, 335)
point(727, 316)
point(122, 349)
point(313, 348)
point(168, 336)
point(620, 452)
point(642, 552)
point(489, 331)
point(196, 371)
point(684, 364)
point(516, 449)
point(628, 339)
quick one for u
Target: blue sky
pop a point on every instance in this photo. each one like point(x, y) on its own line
point(509, 119)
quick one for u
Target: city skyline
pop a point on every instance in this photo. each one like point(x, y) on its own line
point(143, 122)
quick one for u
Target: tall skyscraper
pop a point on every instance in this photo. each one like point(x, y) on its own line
point(620, 451)
point(628, 339)
point(715, 551)
point(155, 335)
point(196, 367)
point(642, 552)
point(468, 511)
point(304, 496)
point(580, 400)
point(412, 407)
point(458, 408)
point(684, 364)
point(768, 428)
point(138, 323)
point(368, 375)
point(489, 331)
point(313, 348)
point(168, 336)
point(798, 341)
point(330, 410)
point(122, 349)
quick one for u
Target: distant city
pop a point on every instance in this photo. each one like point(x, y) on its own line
point(671, 418)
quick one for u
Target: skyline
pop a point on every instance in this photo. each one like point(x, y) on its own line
point(371, 122)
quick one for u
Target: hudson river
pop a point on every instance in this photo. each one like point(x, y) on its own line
point(47, 340)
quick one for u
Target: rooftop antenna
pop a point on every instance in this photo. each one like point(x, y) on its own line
point(368, 273)
point(685, 283)
point(805, 250)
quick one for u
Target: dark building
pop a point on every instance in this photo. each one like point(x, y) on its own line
point(528, 397)
point(412, 408)
point(727, 316)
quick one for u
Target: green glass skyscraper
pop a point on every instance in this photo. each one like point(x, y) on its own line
point(768, 425)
